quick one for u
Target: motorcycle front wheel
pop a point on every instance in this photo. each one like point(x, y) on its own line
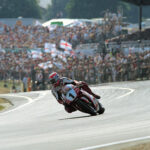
point(86, 107)
point(102, 109)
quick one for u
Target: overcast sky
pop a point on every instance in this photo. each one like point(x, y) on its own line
point(44, 3)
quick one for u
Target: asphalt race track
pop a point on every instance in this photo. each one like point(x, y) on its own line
point(38, 122)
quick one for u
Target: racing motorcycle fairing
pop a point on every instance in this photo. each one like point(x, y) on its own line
point(81, 100)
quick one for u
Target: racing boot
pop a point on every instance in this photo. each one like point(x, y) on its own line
point(95, 95)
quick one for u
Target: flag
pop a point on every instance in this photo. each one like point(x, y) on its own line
point(65, 45)
point(36, 54)
point(69, 52)
point(58, 65)
point(1, 49)
point(54, 53)
point(46, 65)
point(62, 56)
point(48, 47)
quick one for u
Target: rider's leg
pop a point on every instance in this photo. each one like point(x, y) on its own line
point(87, 89)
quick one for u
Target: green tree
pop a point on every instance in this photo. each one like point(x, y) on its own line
point(56, 9)
point(89, 8)
point(16, 8)
point(131, 11)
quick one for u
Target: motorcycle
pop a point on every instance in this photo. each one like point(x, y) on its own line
point(81, 100)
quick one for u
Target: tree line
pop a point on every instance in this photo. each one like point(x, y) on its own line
point(68, 9)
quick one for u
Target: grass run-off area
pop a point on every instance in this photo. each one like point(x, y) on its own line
point(9, 86)
point(3, 90)
point(3, 103)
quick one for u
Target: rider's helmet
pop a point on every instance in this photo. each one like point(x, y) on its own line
point(54, 79)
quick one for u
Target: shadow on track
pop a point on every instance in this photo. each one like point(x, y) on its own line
point(76, 117)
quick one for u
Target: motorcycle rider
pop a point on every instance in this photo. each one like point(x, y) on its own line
point(57, 83)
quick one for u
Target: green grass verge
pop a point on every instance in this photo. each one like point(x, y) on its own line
point(4, 103)
point(4, 90)
point(1, 107)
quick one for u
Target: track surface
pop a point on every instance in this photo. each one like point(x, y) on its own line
point(38, 122)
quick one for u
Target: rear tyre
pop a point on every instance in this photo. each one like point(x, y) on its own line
point(86, 108)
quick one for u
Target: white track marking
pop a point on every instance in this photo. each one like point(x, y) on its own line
point(118, 142)
point(30, 100)
point(128, 93)
point(115, 143)
point(42, 94)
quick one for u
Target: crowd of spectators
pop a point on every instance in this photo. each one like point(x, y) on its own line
point(99, 68)
point(113, 23)
point(112, 67)
point(21, 36)
point(144, 35)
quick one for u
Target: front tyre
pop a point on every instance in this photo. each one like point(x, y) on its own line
point(101, 109)
point(86, 108)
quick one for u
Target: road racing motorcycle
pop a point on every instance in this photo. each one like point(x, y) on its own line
point(81, 100)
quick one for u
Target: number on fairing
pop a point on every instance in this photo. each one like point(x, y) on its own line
point(71, 95)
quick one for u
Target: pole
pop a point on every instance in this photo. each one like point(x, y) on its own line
point(140, 17)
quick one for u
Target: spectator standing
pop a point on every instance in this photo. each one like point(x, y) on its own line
point(25, 83)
